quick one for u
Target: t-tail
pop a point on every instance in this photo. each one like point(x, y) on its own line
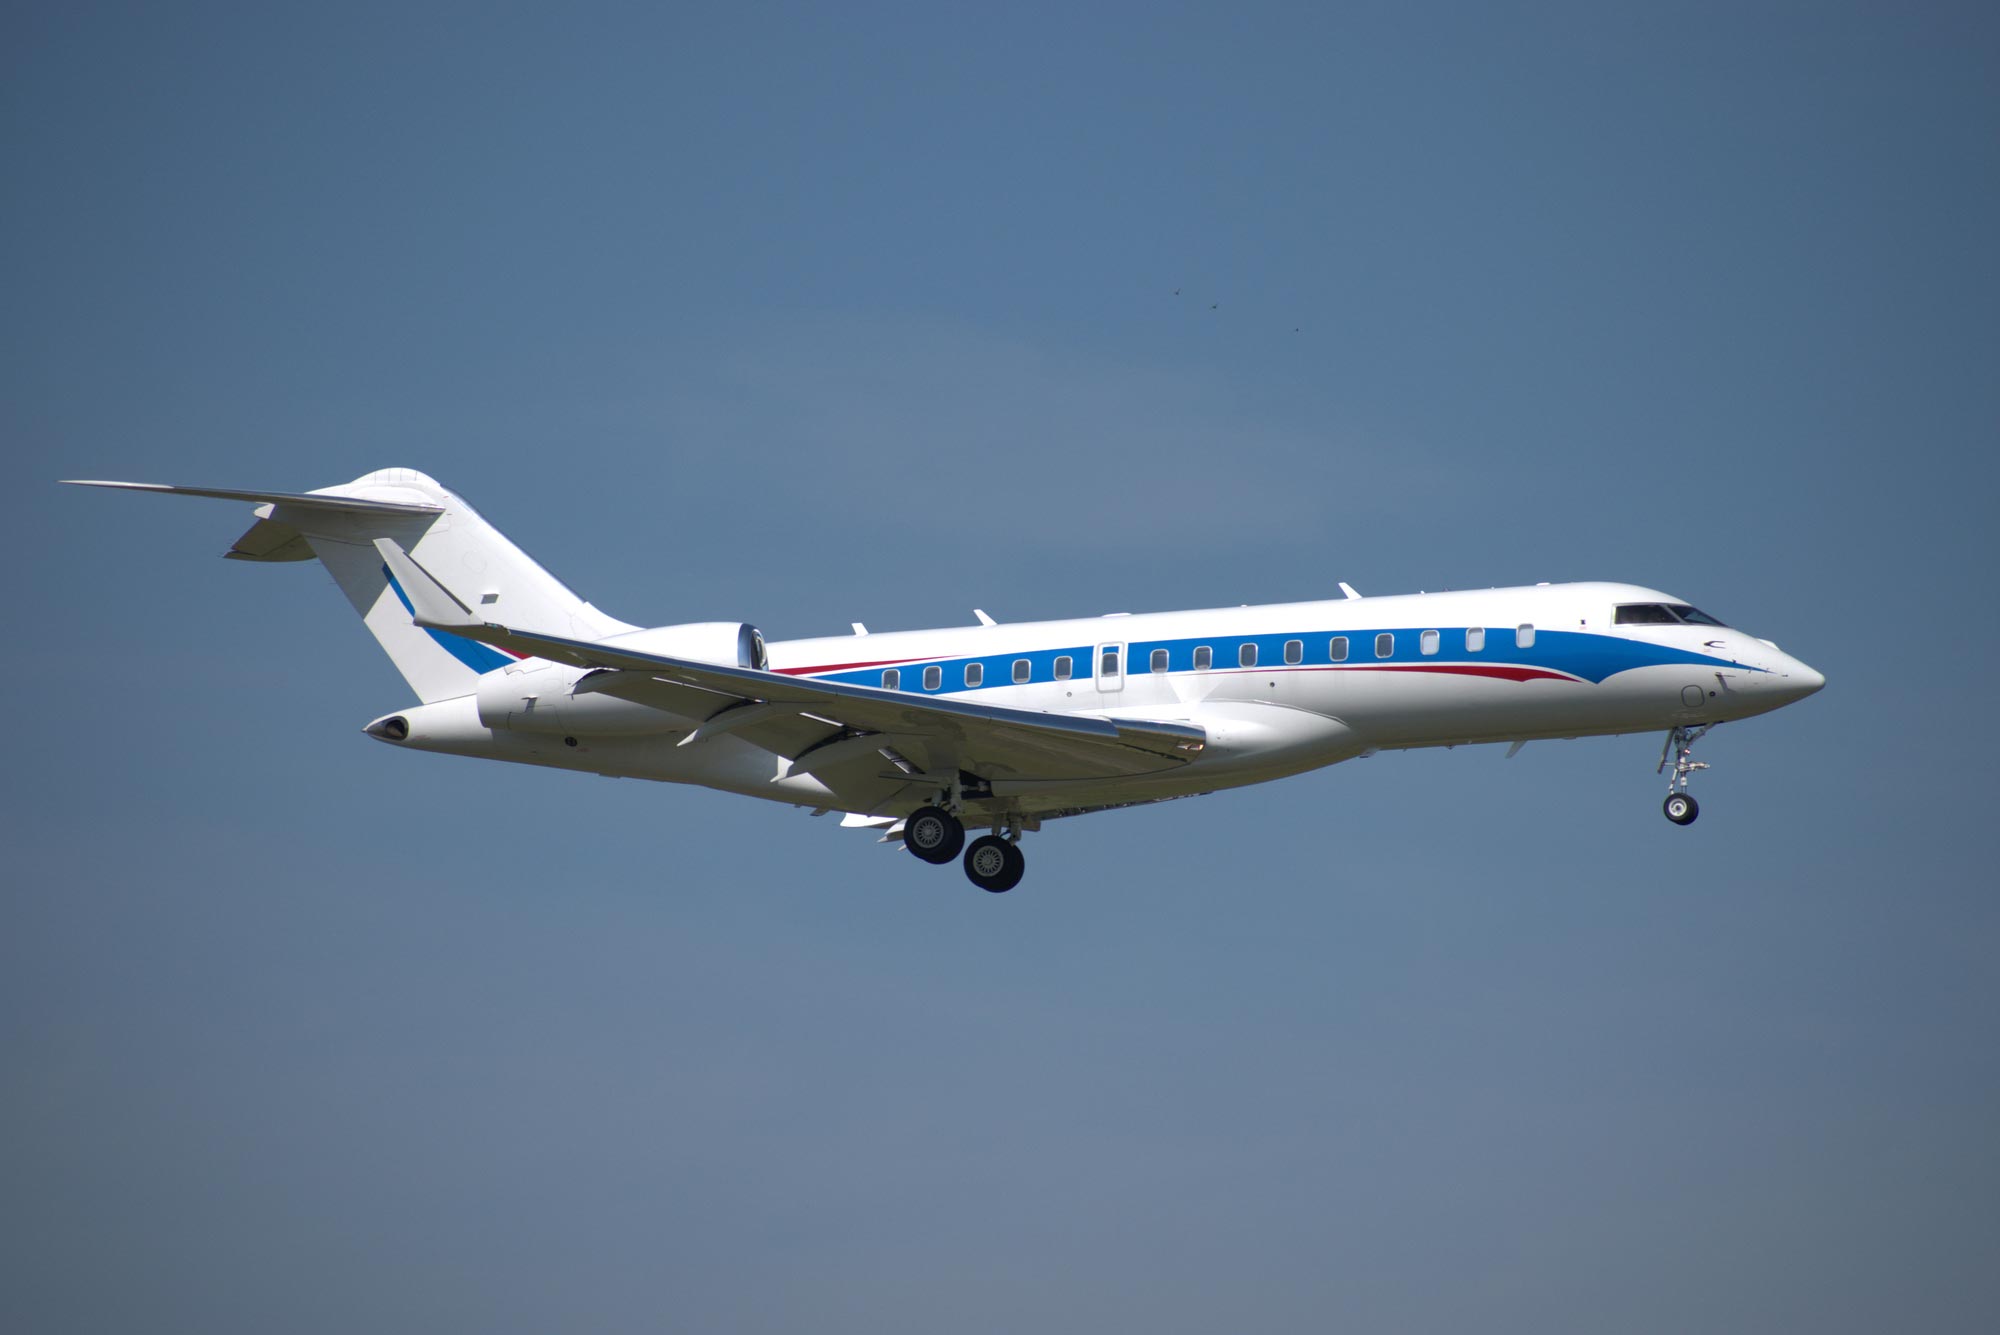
point(340, 525)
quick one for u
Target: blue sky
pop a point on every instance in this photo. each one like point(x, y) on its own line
point(806, 316)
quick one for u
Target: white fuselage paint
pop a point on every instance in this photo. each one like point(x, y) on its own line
point(1583, 675)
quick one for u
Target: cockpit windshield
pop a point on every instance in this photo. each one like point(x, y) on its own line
point(1661, 614)
point(1644, 614)
point(1694, 616)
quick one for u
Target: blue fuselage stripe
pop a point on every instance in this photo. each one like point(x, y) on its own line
point(1578, 654)
point(481, 658)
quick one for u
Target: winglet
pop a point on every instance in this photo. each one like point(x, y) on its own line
point(432, 603)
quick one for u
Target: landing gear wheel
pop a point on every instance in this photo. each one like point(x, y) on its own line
point(1680, 805)
point(933, 834)
point(993, 864)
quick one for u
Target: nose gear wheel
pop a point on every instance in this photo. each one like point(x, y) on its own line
point(1680, 806)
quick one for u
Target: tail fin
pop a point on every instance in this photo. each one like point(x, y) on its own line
point(339, 525)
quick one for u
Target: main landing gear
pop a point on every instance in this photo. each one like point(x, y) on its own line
point(933, 834)
point(993, 862)
point(1680, 806)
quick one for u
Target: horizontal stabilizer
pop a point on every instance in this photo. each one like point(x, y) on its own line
point(302, 500)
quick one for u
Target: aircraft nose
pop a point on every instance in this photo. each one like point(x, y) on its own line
point(1801, 680)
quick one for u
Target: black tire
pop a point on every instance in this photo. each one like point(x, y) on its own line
point(993, 864)
point(933, 834)
point(1681, 808)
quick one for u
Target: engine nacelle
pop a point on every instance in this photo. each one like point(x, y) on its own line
point(734, 643)
point(542, 697)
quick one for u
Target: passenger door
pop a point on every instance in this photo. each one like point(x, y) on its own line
point(1110, 668)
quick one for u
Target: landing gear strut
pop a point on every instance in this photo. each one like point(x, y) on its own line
point(1680, 806)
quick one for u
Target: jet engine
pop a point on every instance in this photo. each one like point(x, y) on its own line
point(542, 697)
point(730, 642)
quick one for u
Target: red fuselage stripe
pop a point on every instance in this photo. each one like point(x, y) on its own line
point(1496, 671)
point(1455, 669)
point(844, 667)
point(1469, 670)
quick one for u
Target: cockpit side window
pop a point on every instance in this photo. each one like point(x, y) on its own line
point(1660, 614)
point(1643, 614)
point(1694, 616)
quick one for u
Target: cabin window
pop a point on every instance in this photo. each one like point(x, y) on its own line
point(1022, 670)
point(1246, 655)
point(1475, 639)
point(1295, 651)
point(1062, 668)
point(1336, 649)
point(892, 680)
point(1385, 645)
point(1159, 660)
point(933, 677)
point(1427, 642)
point(975, 673)
point(1524, 637)
point(1107, 663)
point(1204, 658)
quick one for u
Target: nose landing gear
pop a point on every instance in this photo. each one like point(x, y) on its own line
point(1680, 806)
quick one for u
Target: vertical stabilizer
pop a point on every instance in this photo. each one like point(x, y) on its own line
point(467, 554)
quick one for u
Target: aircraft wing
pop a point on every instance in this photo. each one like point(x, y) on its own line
point(822, 725)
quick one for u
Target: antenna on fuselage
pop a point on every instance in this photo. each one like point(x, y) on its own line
point(1348, 589)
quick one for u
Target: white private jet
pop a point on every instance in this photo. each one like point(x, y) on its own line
point(922, 733)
